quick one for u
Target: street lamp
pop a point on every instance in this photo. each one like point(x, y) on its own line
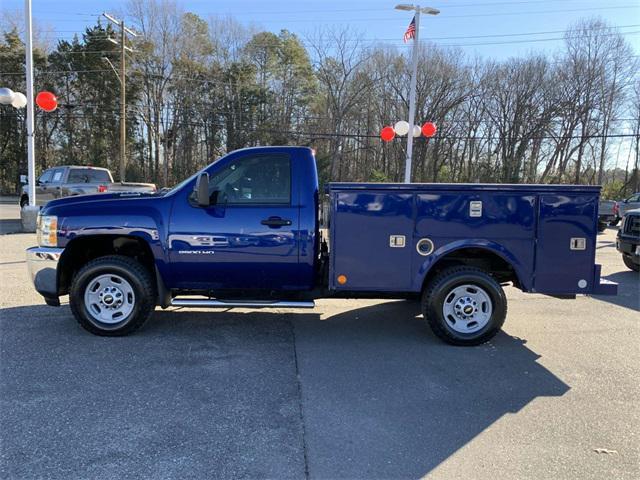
point(414, 73)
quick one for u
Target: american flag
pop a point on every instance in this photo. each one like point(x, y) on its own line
point(411, 30)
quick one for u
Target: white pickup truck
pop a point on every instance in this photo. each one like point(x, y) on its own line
point(70, 180)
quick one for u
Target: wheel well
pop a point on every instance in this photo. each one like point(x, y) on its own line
point(482, 258)
point(24, 198)
point(82, 250)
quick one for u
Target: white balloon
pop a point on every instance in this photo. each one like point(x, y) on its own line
point(417, 131)
point(401, 127)
point(6, 96)
point(19, 100)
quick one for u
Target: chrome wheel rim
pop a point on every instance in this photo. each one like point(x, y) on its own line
point(109, 299)
point(467, 308)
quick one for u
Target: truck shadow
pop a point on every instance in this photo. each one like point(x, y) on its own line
point(628, 290)
point(10, 226)
point(378, 394)
point(384, 398)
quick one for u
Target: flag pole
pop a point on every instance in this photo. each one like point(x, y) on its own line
point(412, 99)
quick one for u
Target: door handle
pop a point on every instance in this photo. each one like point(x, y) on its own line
point(275, 222)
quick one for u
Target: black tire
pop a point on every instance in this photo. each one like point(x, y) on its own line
point(602, 226)
point(439, 290)
point(140, 281)
point(24, 201)
point(614, 222)
point(628, 261)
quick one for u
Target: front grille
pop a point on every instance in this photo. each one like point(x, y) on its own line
point(632, 225)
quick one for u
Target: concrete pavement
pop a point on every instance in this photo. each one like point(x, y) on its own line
point(352, 389)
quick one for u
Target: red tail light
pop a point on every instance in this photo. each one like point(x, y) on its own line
point(616, 208)
point(102, 188)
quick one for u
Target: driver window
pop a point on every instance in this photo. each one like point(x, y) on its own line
point(260, 179)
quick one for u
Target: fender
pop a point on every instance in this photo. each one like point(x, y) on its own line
point(479, 243)
point(143, 217)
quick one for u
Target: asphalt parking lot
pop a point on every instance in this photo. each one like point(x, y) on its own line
point(351, 389)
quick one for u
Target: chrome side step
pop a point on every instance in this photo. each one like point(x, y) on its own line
point(209, 303)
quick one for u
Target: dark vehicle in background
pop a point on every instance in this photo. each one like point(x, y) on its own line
point(628, 241)
point(607, 214)
point(67, 181)
point(631, 203)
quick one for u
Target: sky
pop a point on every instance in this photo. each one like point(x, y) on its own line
point(490, 28)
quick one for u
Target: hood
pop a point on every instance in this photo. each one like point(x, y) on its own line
point(97, 199)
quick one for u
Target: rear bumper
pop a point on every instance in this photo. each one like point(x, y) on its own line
point(602, 286)
point(42, 263)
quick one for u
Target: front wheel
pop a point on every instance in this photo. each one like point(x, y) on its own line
point(112, 295)
point(628, 261)
point(464, 306)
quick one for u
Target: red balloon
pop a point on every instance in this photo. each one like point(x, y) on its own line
point(429, 129)
point(47, 101)
point(387, 134)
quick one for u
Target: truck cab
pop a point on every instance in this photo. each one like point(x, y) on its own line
point(246, 232)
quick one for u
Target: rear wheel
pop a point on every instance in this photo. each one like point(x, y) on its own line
point(112, 295)
point(24, 201)
point(628, 261)
point(464, 306)
point(614, 222)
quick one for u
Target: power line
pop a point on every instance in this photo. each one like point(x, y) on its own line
point(341, 10)
point(456, 37)
point(399, 44)
point(444, 16)
point(366, 135)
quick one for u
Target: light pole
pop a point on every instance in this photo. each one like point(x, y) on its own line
point(414, 73)
point(31, 156)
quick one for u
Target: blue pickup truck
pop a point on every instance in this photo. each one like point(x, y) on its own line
point(252, 230)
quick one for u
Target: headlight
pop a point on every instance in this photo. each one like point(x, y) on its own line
point(47, 230)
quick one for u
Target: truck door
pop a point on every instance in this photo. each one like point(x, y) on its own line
point(248, 238)
point(44, 187)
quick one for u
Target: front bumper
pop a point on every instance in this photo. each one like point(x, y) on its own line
point(629, 247)
point(42, 263)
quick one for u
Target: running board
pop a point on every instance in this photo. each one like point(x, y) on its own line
point(204, 302)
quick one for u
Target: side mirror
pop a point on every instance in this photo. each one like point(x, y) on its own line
point(202, 190)
point(23, 179)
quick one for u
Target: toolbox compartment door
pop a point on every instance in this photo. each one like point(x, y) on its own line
point(363, 226)
point(566, 242)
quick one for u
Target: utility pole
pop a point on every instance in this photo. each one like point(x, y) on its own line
point(414, 74)
point(123, 88)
